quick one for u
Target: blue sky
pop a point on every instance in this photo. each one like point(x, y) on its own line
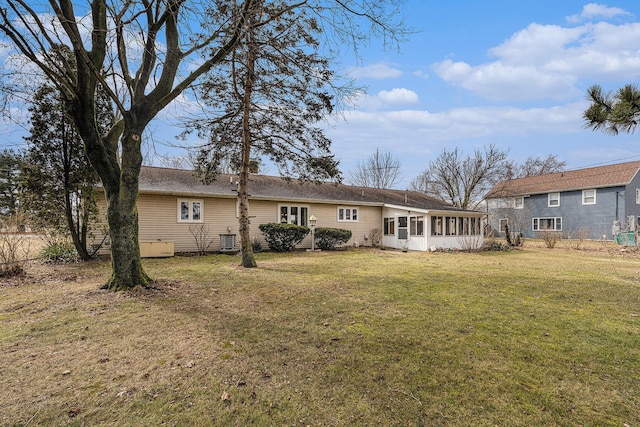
point(508, 73)
point(499, 72)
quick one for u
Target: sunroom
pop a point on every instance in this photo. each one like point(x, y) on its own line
point(428, 229)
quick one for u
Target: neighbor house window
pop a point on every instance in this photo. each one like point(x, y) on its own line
point(637, 196)
point(589, 197)
point(347, 214)
point(547, 224)
point(190, 210)
point(416, 225)
point(554, 200)
point(503, 225)
point(518, 202)
point(389, 226)
point(297, 215)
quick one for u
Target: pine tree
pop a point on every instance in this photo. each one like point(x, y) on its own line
point(57, 178)
point(9, 182)
point(270, 96)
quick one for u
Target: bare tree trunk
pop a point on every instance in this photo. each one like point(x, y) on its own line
point(121, 190)
point(248, 259)
point(122, 217)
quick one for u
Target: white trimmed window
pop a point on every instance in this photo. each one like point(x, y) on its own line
point(546, 224)
point(637, 196)
point(389, 226)
point(454, 226)
point(298, 215)
point(518, 202)
point(503, 225)
point(553, 200)
point(190, 210)
point(347, 214)
point(589, 197)
point(416, 225)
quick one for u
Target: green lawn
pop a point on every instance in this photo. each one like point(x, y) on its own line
point(534, 337)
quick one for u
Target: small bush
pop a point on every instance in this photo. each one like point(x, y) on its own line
point(202, 236)
point(14, 247)
point(283, 237)
point(59, 252)
point(256, 246)
point(376, 237)
point(550, 238)
point(513, 238)
point(495, 245)
point(577, 238)
point(329, 238)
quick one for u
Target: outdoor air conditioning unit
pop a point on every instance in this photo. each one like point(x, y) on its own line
point(227, 243)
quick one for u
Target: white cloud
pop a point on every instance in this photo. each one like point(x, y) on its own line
point(381, 70)
point(499, 80)
point(398, 96)
point(595, 10)
point(548, 62)
point(417, 136)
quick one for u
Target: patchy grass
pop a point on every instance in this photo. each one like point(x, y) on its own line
point(528, 337)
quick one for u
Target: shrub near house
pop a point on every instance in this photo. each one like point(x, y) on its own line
point(329, 238)
point(283, 237)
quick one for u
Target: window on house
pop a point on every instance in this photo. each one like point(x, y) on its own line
point(190, 210)
point(436, 225)
point(637, 196)
point(553, 200)
point(450, 225)
point(454, 226)
point(475, 226)
point(416, 225)
point(589, 197)
point(402, 228)
point(518, 203)
point(347, 214)
point(465, 226)
point(389, 226)
point(297, 215)
point(547, 224)
point(503, 222)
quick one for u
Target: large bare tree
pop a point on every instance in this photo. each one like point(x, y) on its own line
point(146, 45)
point(153, 50)
point(534, 166)
point(379, 170)
point(462, 181)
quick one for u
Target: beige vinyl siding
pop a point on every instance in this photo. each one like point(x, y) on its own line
point(158, 219)
point(369, 217)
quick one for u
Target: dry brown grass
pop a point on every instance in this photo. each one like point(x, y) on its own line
point(351, 338)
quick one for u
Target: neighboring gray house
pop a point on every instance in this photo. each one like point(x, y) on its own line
point(592, 203)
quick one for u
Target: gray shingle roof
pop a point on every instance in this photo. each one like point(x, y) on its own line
point(580, 179)
point(186, 183)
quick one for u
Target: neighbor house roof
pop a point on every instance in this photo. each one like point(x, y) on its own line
point(181, 182)
point(579, 179)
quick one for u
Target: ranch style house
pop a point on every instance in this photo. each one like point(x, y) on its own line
point(172, 200)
